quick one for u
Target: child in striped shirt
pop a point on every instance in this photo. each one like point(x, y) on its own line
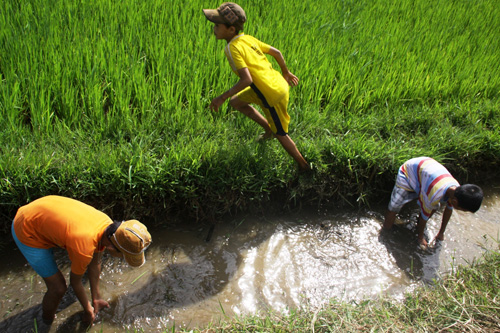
point(431, 183)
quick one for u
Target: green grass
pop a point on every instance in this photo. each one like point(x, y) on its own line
point(107, 102)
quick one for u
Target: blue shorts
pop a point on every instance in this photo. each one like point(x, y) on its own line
point(41, 260)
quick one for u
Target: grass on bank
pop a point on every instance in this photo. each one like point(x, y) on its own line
point(467, 300)
point(107, 102)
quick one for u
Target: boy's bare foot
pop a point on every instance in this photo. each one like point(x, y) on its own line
point(423, 244)
point(305, 168)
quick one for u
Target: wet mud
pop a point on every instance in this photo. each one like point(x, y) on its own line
point(255, 264)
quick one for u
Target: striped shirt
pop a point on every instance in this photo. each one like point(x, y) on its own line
point(429, 179)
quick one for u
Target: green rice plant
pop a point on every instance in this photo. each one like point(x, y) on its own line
point(108, 101)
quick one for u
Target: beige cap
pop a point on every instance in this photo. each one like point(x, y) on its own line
point(132, 239)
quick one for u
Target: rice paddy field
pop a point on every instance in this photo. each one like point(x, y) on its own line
point(107, 101)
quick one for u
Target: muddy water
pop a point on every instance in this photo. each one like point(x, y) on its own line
point(256, 264)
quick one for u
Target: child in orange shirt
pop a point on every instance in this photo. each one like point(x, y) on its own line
point(84, 232)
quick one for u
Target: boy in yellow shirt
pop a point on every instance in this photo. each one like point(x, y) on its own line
point(259, 83)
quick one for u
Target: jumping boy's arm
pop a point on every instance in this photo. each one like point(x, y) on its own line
point(244, 81)
point(289, 77)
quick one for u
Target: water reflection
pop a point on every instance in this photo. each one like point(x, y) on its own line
point(256, 264)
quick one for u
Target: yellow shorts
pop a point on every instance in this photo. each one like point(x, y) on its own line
point(276, 115)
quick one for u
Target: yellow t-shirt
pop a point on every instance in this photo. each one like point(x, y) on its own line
point(245, 51)
point(63, 222)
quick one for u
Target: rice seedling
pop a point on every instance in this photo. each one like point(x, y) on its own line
point(108, 101)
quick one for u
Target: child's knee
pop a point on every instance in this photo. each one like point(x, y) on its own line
point(58, 290)
point(234, 102)
point(238, 104)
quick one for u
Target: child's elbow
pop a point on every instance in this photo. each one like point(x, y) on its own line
point(248, 81)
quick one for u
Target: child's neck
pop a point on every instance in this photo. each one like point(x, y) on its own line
point(230, 38)
point(450, 192)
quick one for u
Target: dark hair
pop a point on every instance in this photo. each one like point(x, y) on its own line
point(110, 230)
point(469, 197)
point(236, 28)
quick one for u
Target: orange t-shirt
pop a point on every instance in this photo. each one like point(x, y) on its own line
point(63, 222)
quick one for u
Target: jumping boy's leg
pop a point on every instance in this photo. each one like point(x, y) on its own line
point(285, 140)
point(56, 287)
point(251, 113)
point(291, 149)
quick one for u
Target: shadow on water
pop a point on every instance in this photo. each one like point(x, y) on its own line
point(200, 276)
point(30, 319)
point(416, 263)
point(254, 264)
point(160, 294)
point(172, 278)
